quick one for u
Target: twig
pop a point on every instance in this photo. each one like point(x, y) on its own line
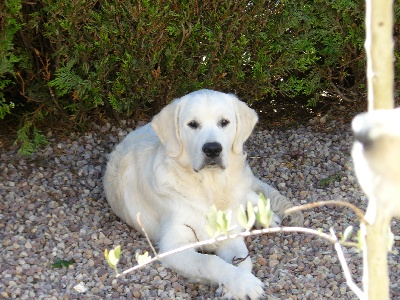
point(146, 235)
point(238, 260)
point(349, 280)
point(355, 209)
point(194, 232)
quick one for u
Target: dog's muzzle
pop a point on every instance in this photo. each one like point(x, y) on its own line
point(212, 157)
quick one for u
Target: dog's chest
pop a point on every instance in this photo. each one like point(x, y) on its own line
point(220, 190)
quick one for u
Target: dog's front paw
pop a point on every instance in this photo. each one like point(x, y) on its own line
point(295, 219)
point(243, 285)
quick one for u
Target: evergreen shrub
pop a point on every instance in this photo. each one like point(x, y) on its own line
point(75, 57)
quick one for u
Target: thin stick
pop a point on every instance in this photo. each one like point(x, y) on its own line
point(146, 235)
point(349, 279)
point(355, 209)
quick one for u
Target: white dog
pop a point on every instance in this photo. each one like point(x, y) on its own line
point(174, 169)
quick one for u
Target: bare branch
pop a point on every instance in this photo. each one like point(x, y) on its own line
point(349, 280)
point(318, 233)
point(146, 235)
point(355, 209)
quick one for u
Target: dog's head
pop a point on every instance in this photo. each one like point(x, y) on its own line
point(205, 127)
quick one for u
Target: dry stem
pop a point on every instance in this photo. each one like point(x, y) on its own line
point(355, 209)
point(325, 236)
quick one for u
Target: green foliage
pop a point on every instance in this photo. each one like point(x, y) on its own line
point(142, 258)
point(263, 211)
point(327, 181)
point(61, 263)
point(113, 257)
point(29, 138)
point(322, 42)
point(9, 22)
point(218, 222)
point(347, 233)
point(77, 57)
point(247, 218)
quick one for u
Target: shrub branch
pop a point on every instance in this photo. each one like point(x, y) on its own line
point(330, 238)
point(355, 209)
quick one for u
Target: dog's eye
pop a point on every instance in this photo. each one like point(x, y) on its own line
point(193, 124)
point(224, 122)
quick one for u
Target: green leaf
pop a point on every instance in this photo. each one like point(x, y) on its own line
point(61, 263)
point(223, 222)
point(250, 215)
point(113, 256)
point(263, 211)
point(242, 217)
point(218, 222)
point(211, 226)
point(142, 258)
point(247, 220)
point(347, 233)
point(117, 252)
point(210, 230)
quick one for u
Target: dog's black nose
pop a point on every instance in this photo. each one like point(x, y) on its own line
point(212, 150)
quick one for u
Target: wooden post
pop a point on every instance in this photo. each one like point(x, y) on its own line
point(380, 75)
point(376, 242)
point(379, 50)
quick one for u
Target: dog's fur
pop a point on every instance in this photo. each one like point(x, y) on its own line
point(165, 172)
point(376, 156)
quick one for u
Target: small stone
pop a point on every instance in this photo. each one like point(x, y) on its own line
point(336, 270)
point(281, 185)
point(303, 194)
point(136, 294)
point(178, 287)
point(261, 260)
point(273, 256)
point(272, 263)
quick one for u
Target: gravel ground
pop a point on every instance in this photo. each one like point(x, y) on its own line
point(52, 208)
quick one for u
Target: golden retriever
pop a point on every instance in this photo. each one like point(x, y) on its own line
point(175, 168)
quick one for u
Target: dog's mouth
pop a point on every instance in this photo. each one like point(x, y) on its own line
point(215, 163)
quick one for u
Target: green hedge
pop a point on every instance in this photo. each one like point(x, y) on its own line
point(73, 57)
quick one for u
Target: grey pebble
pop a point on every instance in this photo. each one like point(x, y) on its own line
point(52, 207)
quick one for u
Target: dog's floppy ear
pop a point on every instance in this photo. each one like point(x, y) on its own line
point(165, 124)
point(246, 119)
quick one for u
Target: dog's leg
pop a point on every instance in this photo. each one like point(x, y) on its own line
point(236, 282)
point(279, 203)
point(235, 252)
